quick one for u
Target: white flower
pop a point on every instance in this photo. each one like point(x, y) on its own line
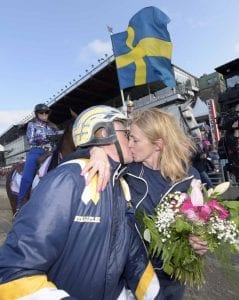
point(196, 193)
point(210, 192)
point(219, 189)
point(225, 230)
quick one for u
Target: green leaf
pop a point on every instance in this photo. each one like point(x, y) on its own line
point(232, 205)
point(181, 225)
point(168, 268)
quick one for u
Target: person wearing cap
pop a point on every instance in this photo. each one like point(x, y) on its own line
point(73, 242)
point(39, 131)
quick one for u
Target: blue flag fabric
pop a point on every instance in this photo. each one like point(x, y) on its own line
point(143, 52)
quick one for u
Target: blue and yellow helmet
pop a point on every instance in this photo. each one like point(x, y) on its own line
point(92, 119)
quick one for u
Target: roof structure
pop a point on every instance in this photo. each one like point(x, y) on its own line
point(229, 68)
point(200, 109)
point(99, 86)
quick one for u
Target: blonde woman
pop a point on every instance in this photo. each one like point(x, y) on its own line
point(162, 153)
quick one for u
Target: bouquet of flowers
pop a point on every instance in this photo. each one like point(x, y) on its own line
point(198, 212)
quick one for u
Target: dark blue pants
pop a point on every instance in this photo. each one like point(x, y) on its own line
point(29, 172)
point(206, 179)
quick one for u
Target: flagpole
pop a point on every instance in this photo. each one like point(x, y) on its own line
point(123, 101)
point(110, 30)
point(149, 91)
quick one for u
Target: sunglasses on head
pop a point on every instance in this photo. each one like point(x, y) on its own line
point(41, 112)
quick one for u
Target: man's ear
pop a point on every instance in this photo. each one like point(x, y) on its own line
point(101, 133)
point(159, 144)
point(104, 132)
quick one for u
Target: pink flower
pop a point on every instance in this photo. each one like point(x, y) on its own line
point(195, 213)
point(189, 210)
point(195, 210)
point(214, 205)
point(187, 204)
point(204, 212)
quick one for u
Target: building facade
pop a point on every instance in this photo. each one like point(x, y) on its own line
point(210, 86)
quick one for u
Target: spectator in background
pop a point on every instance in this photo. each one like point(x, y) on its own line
point(213, 156)
point(228, 145)
point(206, 132)
point(202, 164)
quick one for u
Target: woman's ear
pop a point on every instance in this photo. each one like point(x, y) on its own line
point(159, 144)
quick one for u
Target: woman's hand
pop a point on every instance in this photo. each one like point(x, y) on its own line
point(98, 163)
point(198, 245)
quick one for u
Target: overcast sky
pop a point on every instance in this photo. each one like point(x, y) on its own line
point(45, 44)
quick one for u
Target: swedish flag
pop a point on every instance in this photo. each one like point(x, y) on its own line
point(143, 52)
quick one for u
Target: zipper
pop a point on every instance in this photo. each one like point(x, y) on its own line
point(175, 184)
point(113, 226)
point(117, 173)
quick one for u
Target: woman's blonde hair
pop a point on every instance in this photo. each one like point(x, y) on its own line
point(177, 146)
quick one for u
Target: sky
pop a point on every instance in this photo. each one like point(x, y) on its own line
point(47, 44)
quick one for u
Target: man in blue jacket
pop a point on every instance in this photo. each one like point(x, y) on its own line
point(71, 241)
